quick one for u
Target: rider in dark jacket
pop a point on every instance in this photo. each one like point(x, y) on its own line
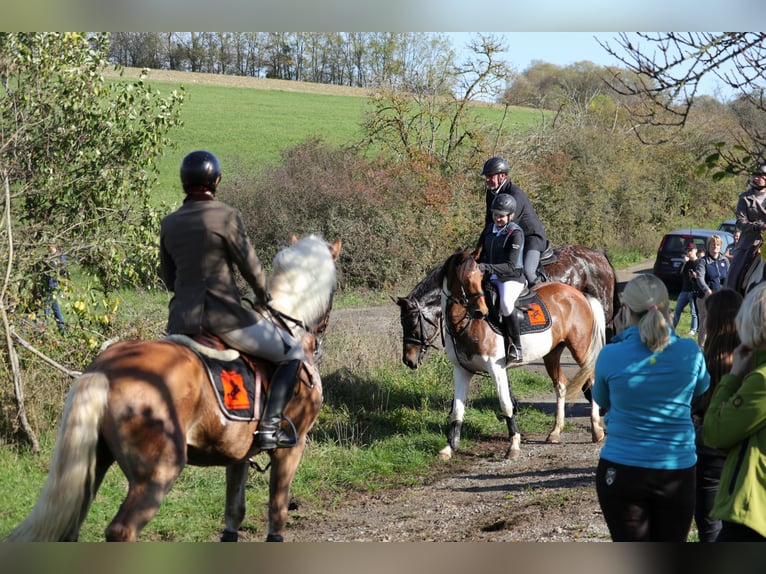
point(495, 172)
point(502, 256)
point(751, 221)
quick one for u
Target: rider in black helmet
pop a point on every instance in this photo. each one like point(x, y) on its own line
point(495, 172)
point(502, 256)
point(201, 243)
point(751, 221)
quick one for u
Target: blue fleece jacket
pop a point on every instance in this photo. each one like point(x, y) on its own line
point(649, 398)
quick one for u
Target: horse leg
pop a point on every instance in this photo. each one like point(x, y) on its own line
point(151, 469)
point(236, 480)
point(284, 464)
point(462, 380)
point(508, 405)
point(597, 433)
point(553, 367)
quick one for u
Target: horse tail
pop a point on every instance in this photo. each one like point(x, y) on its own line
point(69, 488)
point(584, 377)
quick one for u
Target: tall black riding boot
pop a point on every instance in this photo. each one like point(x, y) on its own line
point(270, 435)
point(512, 324)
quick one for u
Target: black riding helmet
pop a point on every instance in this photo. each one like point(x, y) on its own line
point(760, 170)
point(504, 203)
point(200, 169)
point(495, 165)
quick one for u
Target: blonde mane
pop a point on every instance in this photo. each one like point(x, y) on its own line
point(302, 279)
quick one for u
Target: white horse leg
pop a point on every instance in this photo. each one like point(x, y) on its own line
point(508, 406)
point(596, 430)
point(553, 366)
point(462, 379)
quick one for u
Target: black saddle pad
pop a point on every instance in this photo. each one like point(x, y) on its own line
point(535, 315)
point(235, 389)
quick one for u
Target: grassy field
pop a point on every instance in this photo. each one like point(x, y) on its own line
point(248, 122)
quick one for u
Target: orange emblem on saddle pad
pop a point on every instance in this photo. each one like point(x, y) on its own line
point(234, 394)
point(536, 315)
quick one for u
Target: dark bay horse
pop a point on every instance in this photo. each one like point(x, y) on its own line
point(576, 323)
point(149, 406)
point(585, 269)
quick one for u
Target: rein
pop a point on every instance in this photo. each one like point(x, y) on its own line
point(422, 341)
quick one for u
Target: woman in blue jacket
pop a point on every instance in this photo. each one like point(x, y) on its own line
point(647, 378)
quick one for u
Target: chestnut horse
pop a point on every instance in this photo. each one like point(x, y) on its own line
point(585, 269)
point(149, 406)
point(576, 323)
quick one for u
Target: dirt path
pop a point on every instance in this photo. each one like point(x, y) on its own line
point(546, 495)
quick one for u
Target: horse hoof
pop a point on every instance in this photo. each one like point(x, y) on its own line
point(553, 438)
point(598, 436)
point(512, 454)
point(229, 536)
point(274, 538)
point(445, 453)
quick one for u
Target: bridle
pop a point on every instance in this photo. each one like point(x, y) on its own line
point(423, 320)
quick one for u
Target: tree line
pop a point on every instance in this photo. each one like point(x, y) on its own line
point(360, 59)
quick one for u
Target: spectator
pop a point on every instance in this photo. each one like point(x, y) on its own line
point(55, 275)
point(688, 294)
point(736, 423)
point(646, 379)
point(721, 340)
point(711, 271)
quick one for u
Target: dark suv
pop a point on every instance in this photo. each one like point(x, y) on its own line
point(670, 254)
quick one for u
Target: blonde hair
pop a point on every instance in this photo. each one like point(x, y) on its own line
point(715, 238)
point(647, 298)
point(751, 317)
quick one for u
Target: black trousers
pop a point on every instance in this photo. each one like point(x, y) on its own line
point(645, 504)
point(709, 469)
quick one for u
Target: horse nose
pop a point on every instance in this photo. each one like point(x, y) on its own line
point(478, 314)
point(409, 362)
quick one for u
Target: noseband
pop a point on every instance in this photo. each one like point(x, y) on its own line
point(421, 340)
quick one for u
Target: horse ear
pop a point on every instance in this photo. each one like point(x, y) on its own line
point(293, 239)
point(335, 249)
point(398, 300)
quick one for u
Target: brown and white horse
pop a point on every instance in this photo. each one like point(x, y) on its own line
point(149, 406)
point(584, 268)
point(576, 323)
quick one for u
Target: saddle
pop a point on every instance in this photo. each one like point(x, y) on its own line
point(547, 257)
point(534, 315)
point(237, 379)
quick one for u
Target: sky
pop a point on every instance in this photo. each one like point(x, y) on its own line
point(563, 49)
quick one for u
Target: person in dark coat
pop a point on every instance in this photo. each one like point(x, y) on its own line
point(751, 221)
point(201, 244)
point(502, 258)
point(495, 172)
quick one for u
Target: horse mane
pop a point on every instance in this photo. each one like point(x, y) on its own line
point(459, 255)
point(302, 279)
point(429, 289)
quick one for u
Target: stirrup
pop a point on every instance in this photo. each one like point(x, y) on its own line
point(269, 439)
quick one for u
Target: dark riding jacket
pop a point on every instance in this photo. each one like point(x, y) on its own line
point(751, 220)
point(503, 252)
point(526, 216)
point(201, 243)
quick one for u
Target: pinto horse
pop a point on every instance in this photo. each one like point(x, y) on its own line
point(585, 269)
point(149, 406)
point(576, 323)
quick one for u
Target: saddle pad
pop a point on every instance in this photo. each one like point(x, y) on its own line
point(537, 318)
point(235, 387)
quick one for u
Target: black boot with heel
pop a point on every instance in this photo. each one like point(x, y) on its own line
point(270, 434)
